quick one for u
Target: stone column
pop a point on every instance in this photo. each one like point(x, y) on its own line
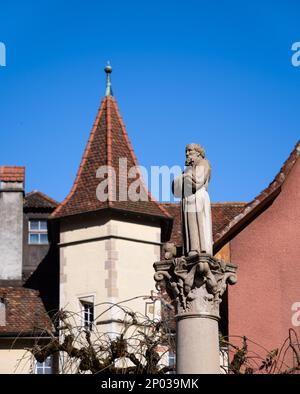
point(196, 284)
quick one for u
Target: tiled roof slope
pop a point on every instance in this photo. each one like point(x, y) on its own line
point(222, 213)
point(12, 174)
point(108, 143)
point(25, 312)
point(36, 199)
point(259, 204)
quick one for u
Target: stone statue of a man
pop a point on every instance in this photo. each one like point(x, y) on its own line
point(191, 187)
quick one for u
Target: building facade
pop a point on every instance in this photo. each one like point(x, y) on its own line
point(97, 248)
point(28, 272)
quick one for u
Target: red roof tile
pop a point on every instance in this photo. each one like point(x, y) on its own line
point(223, 212)
point(108, 143)
point(39, 200)
point(12, 174)
point(25, 312)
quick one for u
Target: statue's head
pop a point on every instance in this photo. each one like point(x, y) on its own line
point(193, 152)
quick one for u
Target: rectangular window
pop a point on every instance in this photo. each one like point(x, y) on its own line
point(45, 368)
point(87, 314)
point(2, 312)
point(38, 233)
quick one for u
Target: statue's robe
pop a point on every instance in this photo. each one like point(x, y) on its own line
point(195, 210)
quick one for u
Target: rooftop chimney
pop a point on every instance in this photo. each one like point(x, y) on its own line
point(11, 222)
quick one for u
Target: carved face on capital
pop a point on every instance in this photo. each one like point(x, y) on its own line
point(192, 153)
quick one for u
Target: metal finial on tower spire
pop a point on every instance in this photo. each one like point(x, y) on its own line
point(108, 70)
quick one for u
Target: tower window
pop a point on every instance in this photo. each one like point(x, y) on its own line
point(88, 314)
point(38, 232)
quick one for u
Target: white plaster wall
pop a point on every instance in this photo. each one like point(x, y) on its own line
point(82, 273)
point(136, 230)
point(77, 229)
point(10, 364)
point(109, 269)
point(135, 271)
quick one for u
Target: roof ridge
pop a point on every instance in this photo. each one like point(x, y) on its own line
point(275, 185)
point(45, 196)
point(11, 167)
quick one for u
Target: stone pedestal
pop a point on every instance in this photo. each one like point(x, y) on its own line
point(196, 284)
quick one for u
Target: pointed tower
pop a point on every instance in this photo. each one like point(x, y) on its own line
point(111, 228)
point(109, 154)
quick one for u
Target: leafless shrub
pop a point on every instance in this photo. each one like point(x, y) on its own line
point(129, 342)
point(258, 360)
point(137, 344)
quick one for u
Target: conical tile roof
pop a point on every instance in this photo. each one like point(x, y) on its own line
point(107, 145)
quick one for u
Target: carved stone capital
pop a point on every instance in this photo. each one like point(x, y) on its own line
point(195, 283)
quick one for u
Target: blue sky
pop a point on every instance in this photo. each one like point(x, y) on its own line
point(214, 72)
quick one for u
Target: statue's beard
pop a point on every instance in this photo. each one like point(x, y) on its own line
point(189, 161)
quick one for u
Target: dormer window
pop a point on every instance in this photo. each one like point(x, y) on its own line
point(2, 312)
point(38, 232)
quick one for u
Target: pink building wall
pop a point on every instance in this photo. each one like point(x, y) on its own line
point(267, 253)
